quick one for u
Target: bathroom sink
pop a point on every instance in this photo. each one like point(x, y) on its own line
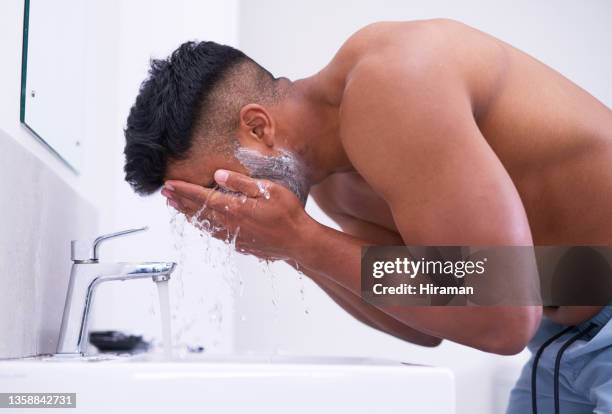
point(206, 384)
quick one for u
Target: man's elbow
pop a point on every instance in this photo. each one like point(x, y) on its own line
point(513, 331)
point(418, 338)
point(428, 341)
point(432, 342)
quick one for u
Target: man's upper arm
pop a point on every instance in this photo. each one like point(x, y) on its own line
point(408, 128)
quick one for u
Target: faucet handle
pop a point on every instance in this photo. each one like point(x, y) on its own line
point(87, 251)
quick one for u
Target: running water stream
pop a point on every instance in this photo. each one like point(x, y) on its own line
point(164, 311)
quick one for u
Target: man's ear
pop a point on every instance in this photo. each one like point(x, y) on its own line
point(256, 123)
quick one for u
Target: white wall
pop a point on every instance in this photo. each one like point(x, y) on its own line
point(296, 39)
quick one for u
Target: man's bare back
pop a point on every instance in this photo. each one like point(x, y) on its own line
point(553, 138)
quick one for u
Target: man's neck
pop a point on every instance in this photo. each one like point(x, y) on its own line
point(316, 137)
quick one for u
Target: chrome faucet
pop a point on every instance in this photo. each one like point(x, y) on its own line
point(86, 274)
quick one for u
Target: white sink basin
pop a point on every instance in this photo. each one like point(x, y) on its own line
point(242, 385)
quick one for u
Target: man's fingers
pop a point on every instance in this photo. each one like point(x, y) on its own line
point(184, 205)
point(232, 203)
point(237, 182)
point(195, 197)
point(183, 189)
point(204, 197)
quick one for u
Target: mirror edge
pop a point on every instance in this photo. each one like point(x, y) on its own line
point(24, 76)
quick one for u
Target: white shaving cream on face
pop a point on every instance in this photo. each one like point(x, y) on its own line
point(284, 169)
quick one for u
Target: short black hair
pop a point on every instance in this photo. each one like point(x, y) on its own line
point(178, 97)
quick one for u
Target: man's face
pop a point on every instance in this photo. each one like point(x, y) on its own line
point(282, 167)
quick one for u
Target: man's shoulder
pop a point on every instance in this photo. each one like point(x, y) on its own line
point(409, 60)
point(397, 65)
point(389, 37)
point(406, 87)
point(387, 51)
point(388, 31)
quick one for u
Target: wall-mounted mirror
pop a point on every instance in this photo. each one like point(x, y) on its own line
point(52, 79)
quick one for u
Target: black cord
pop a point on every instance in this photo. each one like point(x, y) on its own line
point(558, 361)
point(534, 368)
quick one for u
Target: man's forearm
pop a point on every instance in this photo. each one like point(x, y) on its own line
point(337, 256)
point(367, 313)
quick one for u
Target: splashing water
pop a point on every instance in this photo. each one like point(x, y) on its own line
point(207, 260)
point(302, 292)
point(270, 274)
point(206, 281)
point(194, 288)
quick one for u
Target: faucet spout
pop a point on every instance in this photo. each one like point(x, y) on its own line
point(84, 278)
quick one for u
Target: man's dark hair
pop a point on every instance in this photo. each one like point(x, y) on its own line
point(198, 90)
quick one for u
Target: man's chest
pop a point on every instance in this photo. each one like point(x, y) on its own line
point(349, 195)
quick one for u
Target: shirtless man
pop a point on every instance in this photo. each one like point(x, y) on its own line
point(416, 133)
